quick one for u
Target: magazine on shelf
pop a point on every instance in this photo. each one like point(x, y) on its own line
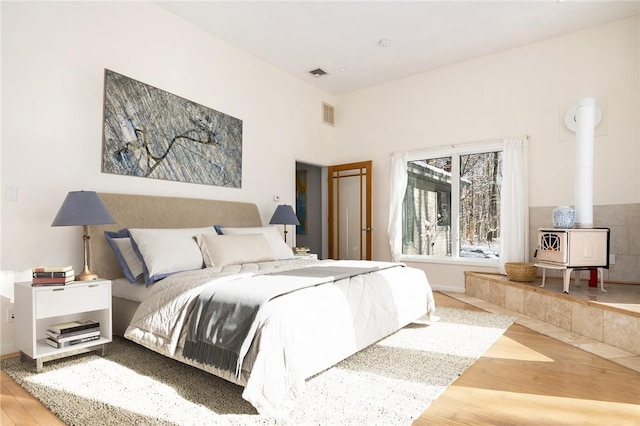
point(74, 335)
point(73, 326)
point(57, 344)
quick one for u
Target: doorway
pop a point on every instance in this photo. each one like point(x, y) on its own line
point(311, 208)
point(350, 213)
point(333, 205)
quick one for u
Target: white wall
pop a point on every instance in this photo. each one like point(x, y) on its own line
point(52, 105)
point(53, 60)
point(524, 91)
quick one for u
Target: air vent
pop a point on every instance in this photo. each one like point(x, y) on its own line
point(318, 72)
point(328, 114)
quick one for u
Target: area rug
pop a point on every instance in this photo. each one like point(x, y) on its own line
point(390, 383)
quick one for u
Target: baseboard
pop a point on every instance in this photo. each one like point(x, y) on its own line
point(454, 289)
point(8, 348)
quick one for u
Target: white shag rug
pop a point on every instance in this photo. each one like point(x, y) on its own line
point(389, 383)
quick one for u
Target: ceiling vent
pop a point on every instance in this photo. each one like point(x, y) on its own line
point(328, 114)
point(318, 72)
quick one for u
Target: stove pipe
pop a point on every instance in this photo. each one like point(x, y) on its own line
point(583, 119)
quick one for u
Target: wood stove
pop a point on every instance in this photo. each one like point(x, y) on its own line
point(571, 249)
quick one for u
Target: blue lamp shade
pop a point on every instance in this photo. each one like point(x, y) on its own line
point(82, 208)
point(284, 215)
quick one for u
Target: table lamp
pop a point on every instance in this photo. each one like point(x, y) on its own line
point(284, 215)
point(83, 208)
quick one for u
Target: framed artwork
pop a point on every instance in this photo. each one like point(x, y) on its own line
point(301, 201)
point(152, 133)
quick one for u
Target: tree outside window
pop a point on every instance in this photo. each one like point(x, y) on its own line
point(452, 205)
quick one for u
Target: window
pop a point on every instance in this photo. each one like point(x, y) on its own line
point(451, 205)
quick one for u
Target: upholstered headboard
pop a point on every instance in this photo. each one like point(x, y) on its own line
point(147, 211)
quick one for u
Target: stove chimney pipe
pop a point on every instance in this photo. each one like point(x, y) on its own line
point(583, 119)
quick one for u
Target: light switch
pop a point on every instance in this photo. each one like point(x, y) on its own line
point(11, 193)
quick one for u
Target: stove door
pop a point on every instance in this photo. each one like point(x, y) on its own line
point(552, 246)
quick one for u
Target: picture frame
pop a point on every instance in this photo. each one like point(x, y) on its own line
point(151, 133)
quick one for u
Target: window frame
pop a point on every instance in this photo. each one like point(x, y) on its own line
point(453, 151)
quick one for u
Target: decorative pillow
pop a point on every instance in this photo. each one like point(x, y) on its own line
point(223, 250)
point(125, 254)
point(280, 249)
point(167, 251)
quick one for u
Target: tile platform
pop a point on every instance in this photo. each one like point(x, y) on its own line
point(605, 324)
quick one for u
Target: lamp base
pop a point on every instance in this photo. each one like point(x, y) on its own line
point(86, 275)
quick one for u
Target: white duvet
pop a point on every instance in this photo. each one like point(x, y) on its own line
point(299, 334)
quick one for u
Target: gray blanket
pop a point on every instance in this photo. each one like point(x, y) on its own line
point(222, 323)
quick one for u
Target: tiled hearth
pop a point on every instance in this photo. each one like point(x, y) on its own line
point(607, 324)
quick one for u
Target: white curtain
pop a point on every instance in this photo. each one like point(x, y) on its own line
point(398, 183)
point(514, 210)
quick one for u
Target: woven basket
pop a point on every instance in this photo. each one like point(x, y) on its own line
point(520, 271)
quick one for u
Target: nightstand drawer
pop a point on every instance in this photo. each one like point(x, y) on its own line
point(70, 300)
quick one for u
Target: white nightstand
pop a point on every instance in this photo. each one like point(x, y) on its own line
point(39, 307)
point(307, 256)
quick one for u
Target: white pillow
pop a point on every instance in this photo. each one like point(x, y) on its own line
point(130, 257)
point(167, 251)
point(280, 248)
point(222, 250)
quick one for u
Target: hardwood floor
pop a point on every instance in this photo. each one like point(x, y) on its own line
point(20, 408)
point(525, 378)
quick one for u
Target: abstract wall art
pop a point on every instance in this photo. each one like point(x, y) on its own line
point(152, 133)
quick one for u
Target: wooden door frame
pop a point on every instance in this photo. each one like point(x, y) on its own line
point(368, 166)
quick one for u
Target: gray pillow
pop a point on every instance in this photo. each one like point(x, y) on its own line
point(280, 249)
point(222, 250)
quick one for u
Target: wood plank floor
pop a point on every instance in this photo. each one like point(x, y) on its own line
point(525, 378)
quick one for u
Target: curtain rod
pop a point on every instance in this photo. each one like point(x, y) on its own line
point(411, 151)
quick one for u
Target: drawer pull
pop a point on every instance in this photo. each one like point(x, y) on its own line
point(58, 289)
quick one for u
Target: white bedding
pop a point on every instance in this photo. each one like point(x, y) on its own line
point(124, 289)
point(298, 335)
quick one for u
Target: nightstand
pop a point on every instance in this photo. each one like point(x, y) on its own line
point(39, 307)
point(307, 256)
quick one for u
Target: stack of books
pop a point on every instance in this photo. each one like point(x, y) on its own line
point(52, 275)
point(301, 251)
point(72, 333)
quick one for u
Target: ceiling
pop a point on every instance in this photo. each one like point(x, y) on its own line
point(343, 37)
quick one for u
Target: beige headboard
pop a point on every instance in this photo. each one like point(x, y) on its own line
point(147, 211)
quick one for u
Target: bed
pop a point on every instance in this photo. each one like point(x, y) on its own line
point(276, 319)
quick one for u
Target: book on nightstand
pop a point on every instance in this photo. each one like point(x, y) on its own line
point(66, 334)
point(61, 274)
point(52, 275)
point(52, 269)
point(79, 339)
point(52, 281)
point(74, 326)
point(60, 337)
